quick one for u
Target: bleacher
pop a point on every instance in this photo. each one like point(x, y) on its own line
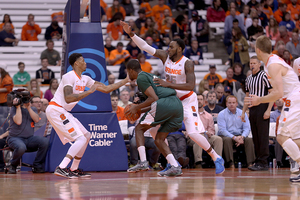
point(29, 51)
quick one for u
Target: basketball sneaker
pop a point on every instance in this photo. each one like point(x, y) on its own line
point(294, 166)
point(168, 166)
point(219, 163)
point(295, 179)
point(66, 172)
point(140, 166)
point(172, 171)
point(81, 174)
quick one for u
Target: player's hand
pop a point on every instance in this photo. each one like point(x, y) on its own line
point(243, 117)
point(252, 100)
point(126, 28)
point(267, 114)
point(93, 88)
point(133, 109)
point(160, 82)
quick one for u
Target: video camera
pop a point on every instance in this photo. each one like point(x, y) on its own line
point(141, 97)
point(22, 95)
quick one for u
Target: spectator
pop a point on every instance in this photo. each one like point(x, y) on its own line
point(276, 113)
point(6, 37)
point(280, 50)
point(178, 27)
point(239, 48)
point(21, 77)
point(294, 9)
point(278, 14)
point(53, 85)
point(114, 29)
point(108, 47)
point(251, 30)
point(261, 15)
point(245, 14)
point(139, 22)
point(212, 107)
point(212, 77)
point(239, 5)
point(45, 104)
point(215, 13)
point(133, 49)
point(283, 35)
point(21, 137)
point(229, 20)
point(58, 16)
point(287, 57)
point(54, 31)
point(146, 7)
point(116, 7)
point(124, 98)
point(3, 138)
point(293, 46)
point(252, 4)
point(149, 23)
point(166, 30)
point(6, 84)
point(30, 30)
point(128, 6)
point(134, 29)
point(287, 22)
point(158, 10)
point(205, 97)
point(34, 88)
point(6, 18)
point(273, 4)
point(249, 20)
point(203, 86)
point(208, 124)
point(228, 36)
point(272, 30)
point(44, 75)
point(117, 109)
point(194, 53)
point(232, 5)
point(146, 66)
point(267, 9)
point(123, 70)
point(229, 75)
point(219, 89)
point(234, 131)
point(51, 54)
point(157, 40)
point(118, 55)
point(177, 144)
point(111, 80)
point(132, 88)
point(149, 40)
point(199, 30)
point(37, 103)
point(238, 72)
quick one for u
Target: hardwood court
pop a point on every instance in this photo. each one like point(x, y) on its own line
point(193, 184)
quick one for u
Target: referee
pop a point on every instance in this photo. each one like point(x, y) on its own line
point(257, 83)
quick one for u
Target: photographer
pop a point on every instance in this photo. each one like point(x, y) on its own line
point(21, 138)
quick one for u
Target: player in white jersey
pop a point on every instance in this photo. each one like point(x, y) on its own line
point(69, 92)
point(285, 85)
point(181, 77)
point(296, 66)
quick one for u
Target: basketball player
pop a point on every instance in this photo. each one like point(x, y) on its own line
point(68, 128)
point(181, 77)
point(163, 108)
point(285, 85)
point(296, 66)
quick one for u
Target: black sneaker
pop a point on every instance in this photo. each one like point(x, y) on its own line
point(37, 170)
point(11, 169)
point(258, 167)
point(295, 179)
point(66, 172)
point(80, 173)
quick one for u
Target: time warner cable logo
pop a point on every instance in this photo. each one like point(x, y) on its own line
point(101, 138)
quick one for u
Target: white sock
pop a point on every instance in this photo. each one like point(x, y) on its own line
point(213, 154)
point(142, 153)
point(170, 158)
point(291, 149)
point(73, 150)
point(79, 155)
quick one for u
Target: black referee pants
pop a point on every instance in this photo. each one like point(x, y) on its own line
point(260, 132)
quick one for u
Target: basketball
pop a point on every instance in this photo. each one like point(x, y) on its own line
point(132, 117)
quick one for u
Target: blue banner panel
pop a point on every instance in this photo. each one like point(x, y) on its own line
point(106, 150)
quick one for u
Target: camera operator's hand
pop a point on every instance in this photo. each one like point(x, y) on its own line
point(15, 102)
point(27, 105)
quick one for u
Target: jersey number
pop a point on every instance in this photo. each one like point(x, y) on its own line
point(171, 79)
point(287, 103)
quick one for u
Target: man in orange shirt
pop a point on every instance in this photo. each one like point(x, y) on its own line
point(212, 77)
point(116, 7)
point(117, 109)
point(114, 29)
point(30, 30)
point(294, 9)
point(118, 55)
point(267, 9)
point(278, 14)
point(229, 75)
point(158, 10)
point(6, 84)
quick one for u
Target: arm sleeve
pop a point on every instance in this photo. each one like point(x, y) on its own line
point(266, 82)
point(143, 45)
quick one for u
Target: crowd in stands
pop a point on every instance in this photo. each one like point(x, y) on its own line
point(220, 99)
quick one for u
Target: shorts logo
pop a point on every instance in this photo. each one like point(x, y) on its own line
point(196, 123)
point(193, 108)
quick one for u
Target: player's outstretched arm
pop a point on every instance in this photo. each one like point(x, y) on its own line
point(190, 79)
point(163, 55)
point(109, 88)
point(70, 97)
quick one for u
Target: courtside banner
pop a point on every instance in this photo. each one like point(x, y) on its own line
point(106, 150)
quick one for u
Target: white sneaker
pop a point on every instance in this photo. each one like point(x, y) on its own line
point(294, 166)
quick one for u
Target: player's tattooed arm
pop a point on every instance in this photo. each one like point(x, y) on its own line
point(109, 88)
point(161, 54)
point(71, 97)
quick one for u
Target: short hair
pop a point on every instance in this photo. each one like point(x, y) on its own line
point(21, 63)
point(30, 15)
point(73, 57)
point(200, 95)
point(281, 5)
point(140, 55)
point(231, 96)
point(120, 44)
point(48, 41)
point(211, 92)
point(235, 20)
point(219, 85)
point(295, 30)
point(255, 57)
point(180, 43)
point(134, 65)
point(264, 44)
point(114, 95)
point(282, 28)
point(43, 58)
point(124, 90)
point(237, 64)
point(255, 18)
point(229, 68)
point(54, 23)
point(31, 99)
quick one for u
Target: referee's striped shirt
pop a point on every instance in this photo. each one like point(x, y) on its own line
point(258, 84)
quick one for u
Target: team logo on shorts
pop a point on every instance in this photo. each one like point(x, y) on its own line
point(196, 124)
point(193, 108)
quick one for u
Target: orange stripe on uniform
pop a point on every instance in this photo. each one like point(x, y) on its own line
point(71, 130)
point(54, 104)
point(284, 119)
point(186, 96)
